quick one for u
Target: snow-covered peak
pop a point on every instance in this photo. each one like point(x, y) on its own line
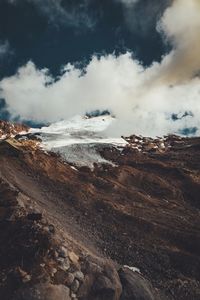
point(78, 130)
point(77, 123)
point(78, 139)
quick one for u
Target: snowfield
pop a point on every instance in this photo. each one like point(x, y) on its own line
point(78, 139)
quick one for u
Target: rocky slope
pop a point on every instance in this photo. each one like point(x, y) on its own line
point(10, 130)
point(126, 230)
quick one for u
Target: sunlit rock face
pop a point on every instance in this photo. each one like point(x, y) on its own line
point(8, 129)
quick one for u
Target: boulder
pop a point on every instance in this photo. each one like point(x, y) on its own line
point(135, 287)
point(100, 283)
point(43, 292)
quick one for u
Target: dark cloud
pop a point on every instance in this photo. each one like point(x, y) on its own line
point(64, 12)
point(53, 32)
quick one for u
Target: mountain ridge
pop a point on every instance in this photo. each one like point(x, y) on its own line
point(142, 211)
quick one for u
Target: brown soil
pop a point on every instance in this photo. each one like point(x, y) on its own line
point(144, 212)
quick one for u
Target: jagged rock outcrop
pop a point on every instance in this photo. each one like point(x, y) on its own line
point(8, 129)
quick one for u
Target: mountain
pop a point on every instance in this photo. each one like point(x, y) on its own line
point(122, 228)
point(10, 130)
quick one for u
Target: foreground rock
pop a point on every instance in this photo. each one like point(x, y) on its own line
point(101, 282)
point(135, 286)
point(43, 292)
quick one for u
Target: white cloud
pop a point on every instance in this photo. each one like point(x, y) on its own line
point(181, 25)
point(141, 99)
point(142, 18)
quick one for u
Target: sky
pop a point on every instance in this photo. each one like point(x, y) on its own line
point(137, 58)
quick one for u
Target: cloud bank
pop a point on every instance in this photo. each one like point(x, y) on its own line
point(144, 100)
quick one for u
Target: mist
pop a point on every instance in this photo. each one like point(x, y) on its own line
point(143, 100)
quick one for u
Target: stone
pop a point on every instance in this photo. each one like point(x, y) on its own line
point(59, 277)
point(75, 286)
point(103, 286)
point(79, 275)
point(62, 252)
point(69, 279)
point(26, 278)
point(22, 275)
point(73, 257)
point(100, 283)
point(42, 265)
point(51, 228)
point(43, 292)
point(59, 259)
point(53, 271)
point(65, 264)
point(73, 296)
point(134, 286)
